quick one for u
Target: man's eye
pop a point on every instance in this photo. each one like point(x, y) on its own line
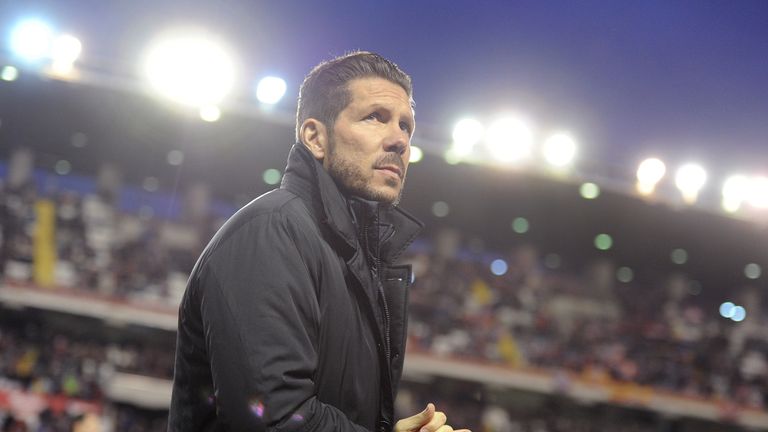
point(373, 116)
point(406, 127)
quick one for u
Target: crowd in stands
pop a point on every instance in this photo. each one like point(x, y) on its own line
point(532, 316)
point(527, 317)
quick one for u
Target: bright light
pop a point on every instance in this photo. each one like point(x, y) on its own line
point(66, 50)
point(560, 150)
point(440, 209)
point(758, 192)
point(603, 242)
point(649, 173)
point(466, 134)
point(509, 140)
point(689, 179)
point(625, 274)
point(210, 113)
point(63, 167)
point(752, 271)
point(520, 225)
point(270, 90)
point(9, 73)
point(589, 191)
point(735, 190)
point(272, 176)
point(499, 267)
point(31, 40)
point(679, 256)
point(193, 70)
point(416, 154)
point(739, 313)
point(726, 309)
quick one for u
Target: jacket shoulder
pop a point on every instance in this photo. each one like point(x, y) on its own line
point(260, 222)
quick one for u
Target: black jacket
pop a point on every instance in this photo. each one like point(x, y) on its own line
point(291, 312)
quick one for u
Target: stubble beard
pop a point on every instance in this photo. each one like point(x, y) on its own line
point(351, 179)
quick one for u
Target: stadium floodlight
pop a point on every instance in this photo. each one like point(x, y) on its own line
point(466, 134)
point(270, 90)
point(192, 69)
point(758, 192)
point(509, 140)
point(417, 154)
point(689, 179)
point(31, 40)
point(65, 51)
point(735, 190)
point(560, 150)
point(649, 174)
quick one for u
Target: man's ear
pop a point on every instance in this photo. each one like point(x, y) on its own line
point(314, 136)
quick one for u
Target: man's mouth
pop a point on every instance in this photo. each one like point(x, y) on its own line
point(392, 168)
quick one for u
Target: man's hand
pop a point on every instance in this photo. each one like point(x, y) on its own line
point(428, 420)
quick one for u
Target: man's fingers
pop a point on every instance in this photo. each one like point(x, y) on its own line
point(416, 421)
point(445, 428)
point(437, 421)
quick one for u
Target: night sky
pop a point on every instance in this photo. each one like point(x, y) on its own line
point(682, 80)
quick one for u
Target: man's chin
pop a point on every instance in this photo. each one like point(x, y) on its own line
point(389, 196)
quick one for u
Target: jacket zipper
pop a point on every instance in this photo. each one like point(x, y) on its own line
point(375, 265)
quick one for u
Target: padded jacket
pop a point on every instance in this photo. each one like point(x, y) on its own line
point(294, 317)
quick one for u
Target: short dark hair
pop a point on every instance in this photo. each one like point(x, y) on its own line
point(325, 91)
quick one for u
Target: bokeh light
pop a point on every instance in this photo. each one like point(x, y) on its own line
point(466, 134)
point(65, 51)
point(9, 73)
point(31, 40)
point(63, 167)
point(589, 191)
point(416, 154)
point(735, 190)
point(192, 69)
point(625, 274)
point(726, 309)
point(440, 209)
point(739, 313)
point(679, 256)
point(603, 242)
point(520, 225)
point(689, 179)
point(509, 140)
point(270, 90)
point(272, 176)
point(560, 150)
point(753, 271)
point(649, 174)
point(499, 267)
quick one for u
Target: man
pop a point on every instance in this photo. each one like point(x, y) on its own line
point(294, 318)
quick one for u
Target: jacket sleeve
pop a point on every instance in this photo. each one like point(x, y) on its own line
point(261, 320)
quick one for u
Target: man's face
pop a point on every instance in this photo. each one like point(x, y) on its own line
point(370, 145)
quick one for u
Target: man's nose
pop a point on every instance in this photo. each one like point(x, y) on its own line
point(397, 141)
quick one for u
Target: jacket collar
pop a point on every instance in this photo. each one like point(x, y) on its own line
point(305, 177)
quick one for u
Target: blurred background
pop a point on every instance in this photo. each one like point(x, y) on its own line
point(593, 176)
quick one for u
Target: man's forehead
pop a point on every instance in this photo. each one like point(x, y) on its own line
point(373, 90)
